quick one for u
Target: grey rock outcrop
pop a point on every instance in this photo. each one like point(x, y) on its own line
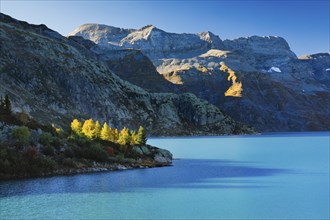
point(213, 40)
point(161, 156)
point(268, 45)
point(318, 66)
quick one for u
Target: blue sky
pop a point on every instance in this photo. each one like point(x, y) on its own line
point(304, 24)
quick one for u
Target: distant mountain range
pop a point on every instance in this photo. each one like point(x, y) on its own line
point(55, 79)
point(255, 80)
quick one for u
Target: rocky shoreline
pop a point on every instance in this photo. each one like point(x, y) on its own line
point(152, 157)
point(97, 167)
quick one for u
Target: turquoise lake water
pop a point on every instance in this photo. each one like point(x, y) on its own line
point(282, 176)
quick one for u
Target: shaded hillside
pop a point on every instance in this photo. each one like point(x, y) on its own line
point(134, 67)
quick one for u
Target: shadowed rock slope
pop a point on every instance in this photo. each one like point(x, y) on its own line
point(54, 78)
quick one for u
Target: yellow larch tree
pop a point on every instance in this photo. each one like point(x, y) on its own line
point(97, 129)
point(88, 129)
point(106, 132)
point(76, 126)
point(134, 138)
point(124, 137)
point(114, 134)
point(141, 136)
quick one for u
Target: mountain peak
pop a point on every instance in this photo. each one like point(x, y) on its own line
point(149, 26)
point(101, 34)
point(212, 39)
point(209, 33)
point(145, 33)
point(103, 29)
point(148, 29)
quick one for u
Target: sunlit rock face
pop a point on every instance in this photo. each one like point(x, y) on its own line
point(155, 43)
point(55, 79)
point(281, 92)
point(235, 90)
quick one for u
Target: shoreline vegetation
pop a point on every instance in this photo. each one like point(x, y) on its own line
point(30, 149)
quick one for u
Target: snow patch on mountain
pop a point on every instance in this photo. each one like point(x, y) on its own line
point(274, 69)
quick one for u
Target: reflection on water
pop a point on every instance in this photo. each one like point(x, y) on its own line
point(183, 173)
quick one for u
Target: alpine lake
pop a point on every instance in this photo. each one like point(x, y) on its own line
point(268, 176)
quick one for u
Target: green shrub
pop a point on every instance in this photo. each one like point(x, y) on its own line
point(4, 165)
point(46, 138)
point(23, 118)
point(31, 153)
point(123, 148)
point(77, 151)
point(81, 141)
point(68, 162)
point(45, 163)
point(21, 134)
point(120, 157)
point(96, 152)
point(3, 153)
point(49, 150)
point(57, 142)
point(69, 152)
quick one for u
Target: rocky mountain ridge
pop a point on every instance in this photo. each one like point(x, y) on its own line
point(152, 41)
point(54, 78)
point(279, 91)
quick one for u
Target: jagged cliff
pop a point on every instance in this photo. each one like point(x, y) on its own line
point(54, 78)
point(273, 89)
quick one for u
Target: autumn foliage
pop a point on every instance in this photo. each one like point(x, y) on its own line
point(93, 130)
